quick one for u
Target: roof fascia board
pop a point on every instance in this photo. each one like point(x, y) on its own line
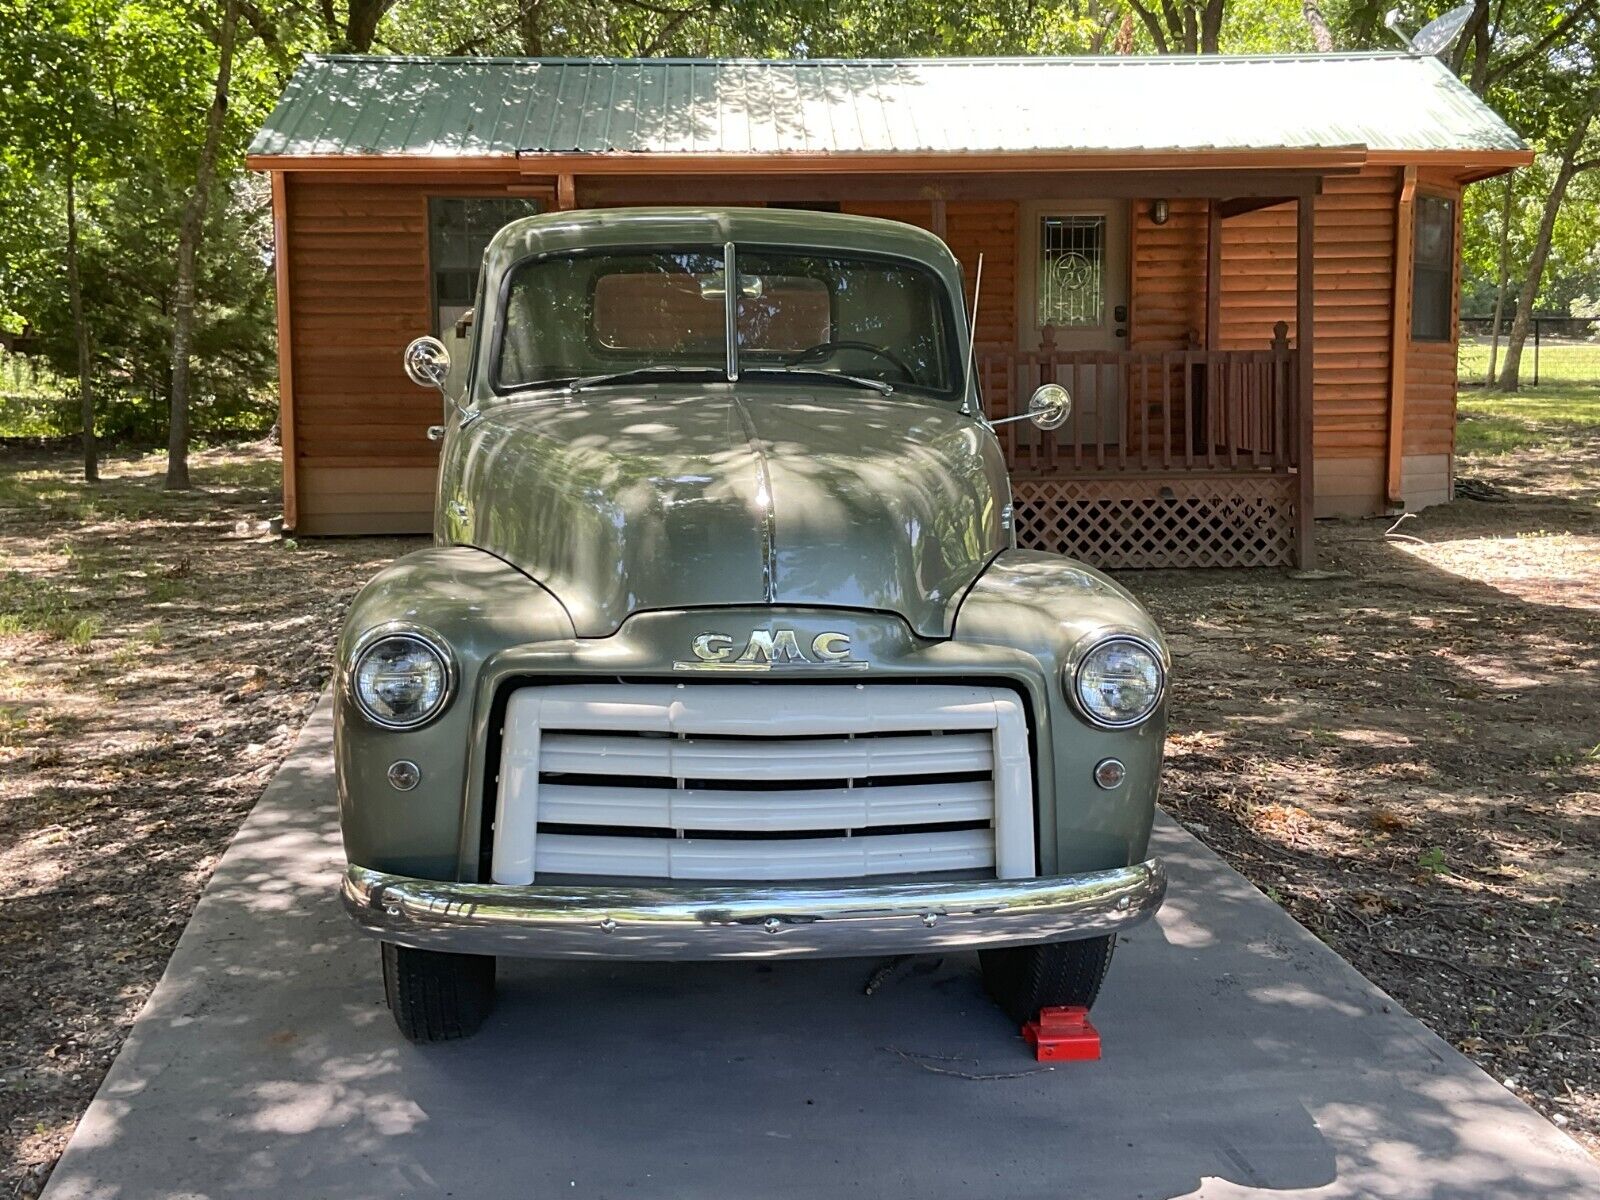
point(540, 163)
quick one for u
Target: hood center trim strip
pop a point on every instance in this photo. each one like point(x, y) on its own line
point(764, 497)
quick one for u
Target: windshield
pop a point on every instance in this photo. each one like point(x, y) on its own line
point(588, 315)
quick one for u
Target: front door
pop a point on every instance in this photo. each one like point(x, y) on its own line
point(1073, 277)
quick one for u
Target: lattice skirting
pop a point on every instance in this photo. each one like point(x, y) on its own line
point(1207, 521)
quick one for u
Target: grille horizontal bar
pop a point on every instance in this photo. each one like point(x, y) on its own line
point(765, 811)
point(811, 858)
point(767, 758)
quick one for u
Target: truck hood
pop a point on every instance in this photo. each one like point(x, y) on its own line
point(654, 499)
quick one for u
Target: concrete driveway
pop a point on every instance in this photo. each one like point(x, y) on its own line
point(1242, 1058)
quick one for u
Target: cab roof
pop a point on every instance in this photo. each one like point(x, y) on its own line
point(587, 229)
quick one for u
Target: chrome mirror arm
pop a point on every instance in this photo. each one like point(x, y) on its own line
point(1048, 408)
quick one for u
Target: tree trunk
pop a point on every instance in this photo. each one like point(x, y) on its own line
point(530, 28)
point(1502, 282)
point(1321, 35)
point(1211, 27)
point(80, 331)
point(1522, 320)
point(190, 236)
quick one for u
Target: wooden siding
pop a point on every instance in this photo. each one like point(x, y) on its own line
point(1167, 285)
point(358, 281)
point(1355, 232)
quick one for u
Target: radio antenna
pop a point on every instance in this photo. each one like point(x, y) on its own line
point(972, 339)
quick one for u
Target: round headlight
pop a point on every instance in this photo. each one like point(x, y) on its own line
point(1119, 682)
point(401, 680)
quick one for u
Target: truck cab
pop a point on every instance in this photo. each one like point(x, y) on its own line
point(724, 647)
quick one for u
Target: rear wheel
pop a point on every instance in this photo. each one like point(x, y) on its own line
point(434, 996)
point(1024, 979)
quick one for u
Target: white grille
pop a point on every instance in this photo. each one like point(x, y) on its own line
point(658, 781)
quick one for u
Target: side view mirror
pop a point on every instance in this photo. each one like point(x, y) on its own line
point(427, 362)
point(1048, 408)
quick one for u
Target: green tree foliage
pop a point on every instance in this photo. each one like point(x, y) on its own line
point(128, 271)
point(111, 100)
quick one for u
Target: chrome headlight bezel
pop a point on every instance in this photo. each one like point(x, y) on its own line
point(401, 631)
point(1072, 675)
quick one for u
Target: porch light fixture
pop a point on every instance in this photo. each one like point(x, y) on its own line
point(1160, 210)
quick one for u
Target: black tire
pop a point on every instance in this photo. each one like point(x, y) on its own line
point(1024, 979)
point(436, 997)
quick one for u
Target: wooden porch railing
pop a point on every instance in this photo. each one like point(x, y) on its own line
point(1190, 411)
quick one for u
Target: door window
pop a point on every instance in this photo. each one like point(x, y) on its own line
point(459, 231)
point(1071, 271)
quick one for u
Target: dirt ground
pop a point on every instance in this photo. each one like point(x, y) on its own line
point(157, 657)
point(1404, 751)
point(1406, 756)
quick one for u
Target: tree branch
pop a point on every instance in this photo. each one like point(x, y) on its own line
point(1509, 66)
point(670, 28)
point(1153, 24)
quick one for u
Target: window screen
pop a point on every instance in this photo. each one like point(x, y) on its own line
point(1072, 271)
point(1433, 269)
point(459, 230)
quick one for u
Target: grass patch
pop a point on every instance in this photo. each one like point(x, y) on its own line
point(1495, 423)
point(29, 604)
point(132, 488)
point(1559, 362)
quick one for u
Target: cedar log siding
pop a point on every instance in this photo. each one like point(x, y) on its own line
point(1354, 306)
point(358, 282)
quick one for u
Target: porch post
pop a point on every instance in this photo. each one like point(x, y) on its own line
point(1214, 275)
point(1305, 303)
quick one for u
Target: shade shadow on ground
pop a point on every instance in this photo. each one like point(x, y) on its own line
point(1242, 1058)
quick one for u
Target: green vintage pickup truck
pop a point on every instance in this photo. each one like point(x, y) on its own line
point(724, 648)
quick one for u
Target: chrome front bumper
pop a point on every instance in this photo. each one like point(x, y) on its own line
point(547, 921)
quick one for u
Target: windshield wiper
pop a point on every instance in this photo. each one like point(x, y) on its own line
point(589, 381)
point(876, 385)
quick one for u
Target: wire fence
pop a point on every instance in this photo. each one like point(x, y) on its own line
point(1559, 350)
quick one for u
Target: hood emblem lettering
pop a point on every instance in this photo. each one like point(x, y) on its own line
point(766, 649)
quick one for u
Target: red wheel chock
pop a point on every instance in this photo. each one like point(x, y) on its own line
point(1063, 1035)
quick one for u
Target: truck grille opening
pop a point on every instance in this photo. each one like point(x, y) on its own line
point(762, 782)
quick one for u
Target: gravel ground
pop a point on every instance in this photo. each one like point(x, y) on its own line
point(158, 654)
point(1404, 751)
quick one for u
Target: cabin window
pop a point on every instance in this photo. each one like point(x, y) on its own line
point(459, 231)
point(1433, 269)
point(1071, 271)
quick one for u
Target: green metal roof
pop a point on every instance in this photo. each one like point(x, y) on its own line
point(444, 107)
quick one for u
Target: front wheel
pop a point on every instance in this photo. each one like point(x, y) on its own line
point(1024, 979)
point(435, 996)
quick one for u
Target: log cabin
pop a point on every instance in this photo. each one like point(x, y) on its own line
point(1245, 270)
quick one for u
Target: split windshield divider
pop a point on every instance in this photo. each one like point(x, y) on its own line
point(730, 309)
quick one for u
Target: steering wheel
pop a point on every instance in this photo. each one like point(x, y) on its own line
point(827, 349)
